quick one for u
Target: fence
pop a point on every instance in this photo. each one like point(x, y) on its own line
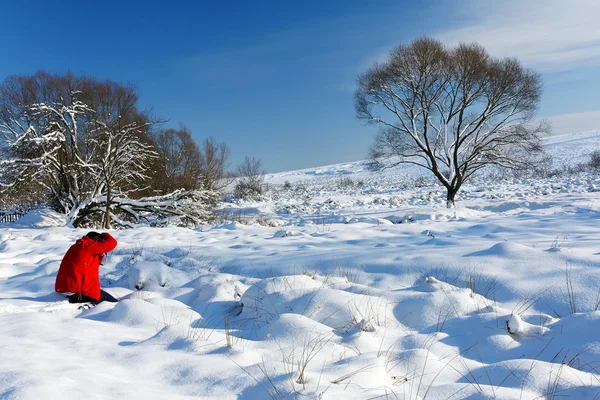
point(10, 216)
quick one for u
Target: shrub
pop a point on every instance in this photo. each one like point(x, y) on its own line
point(421, 182)
point(251, 179)
point(595, 160)
point(346, 183)
point(245, 190)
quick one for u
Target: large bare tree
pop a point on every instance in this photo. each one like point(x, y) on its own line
point(214, 163)
point(185, 165)
point(78, 137)
point(123, 162)
point(180, 161)
point(452, 111)
point(44, 143)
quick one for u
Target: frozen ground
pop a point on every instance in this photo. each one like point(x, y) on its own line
point(339, 285)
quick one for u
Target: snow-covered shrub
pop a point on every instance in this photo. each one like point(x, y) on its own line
point(594, 162)
point(283, 233)
point(330, 204)
point(144, 273)
point(346, 183)
point(25, 196)
point(271, 223)
point(250, 185)
point(247, 191)
point(420, 182)
point(514, 324)
point(180, 208)
point(365, 325)
point(314, 298)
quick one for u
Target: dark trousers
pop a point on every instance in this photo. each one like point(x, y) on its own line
point(79, 298)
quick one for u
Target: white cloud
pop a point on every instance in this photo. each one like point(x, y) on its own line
point(550, 35)
point(575, 122)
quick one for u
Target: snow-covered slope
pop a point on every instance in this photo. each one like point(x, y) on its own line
point(566, 149)
point(326, 290)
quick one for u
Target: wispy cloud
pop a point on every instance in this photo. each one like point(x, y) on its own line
point(550, 35)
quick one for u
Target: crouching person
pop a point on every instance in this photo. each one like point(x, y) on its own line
point(78, 276)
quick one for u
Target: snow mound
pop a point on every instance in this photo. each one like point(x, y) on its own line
point(153, 312)
point(322, 301)
point(505, 250)
point(348, 294)
point(172, 338)
point(429, 304)
point(291, 326)
point(148, 273)
point(156, 275)
point(135, 312)
point(42, 218)
point(283, 233)
point(7, 270)
point(515, 324)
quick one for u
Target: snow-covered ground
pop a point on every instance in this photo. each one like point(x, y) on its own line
point(341, 284)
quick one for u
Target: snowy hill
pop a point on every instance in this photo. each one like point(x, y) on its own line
point(343, 285)
point(566, 149)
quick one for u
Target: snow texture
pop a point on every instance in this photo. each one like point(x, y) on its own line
point(325, 290)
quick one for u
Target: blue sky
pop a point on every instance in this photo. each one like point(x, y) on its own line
point(275, 79)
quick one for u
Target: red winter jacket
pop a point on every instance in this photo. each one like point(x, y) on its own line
point(78, 272)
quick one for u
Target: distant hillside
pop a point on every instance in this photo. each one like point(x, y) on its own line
point(566, 149)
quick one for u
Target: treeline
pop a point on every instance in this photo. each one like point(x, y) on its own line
point(85, 147)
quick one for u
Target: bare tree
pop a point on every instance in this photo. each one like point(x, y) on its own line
point(251, 179)
point(214, 156)
point(119, 138)
point(180, 159)
point(123, 160)
point(77, 137)
point(452, 111)
point(43, 145)
point(23, 196)
point(184, 165)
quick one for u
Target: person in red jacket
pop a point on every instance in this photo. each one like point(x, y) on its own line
point(78, 273)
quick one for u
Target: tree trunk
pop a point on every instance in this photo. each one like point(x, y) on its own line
point(107, 214)
point(450, 197)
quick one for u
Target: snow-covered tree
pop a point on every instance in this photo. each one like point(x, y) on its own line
point(123, 160)
point(187, 208)
point(77, 137)
point(89, 146)
point(44, 144)
point(452, 111)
